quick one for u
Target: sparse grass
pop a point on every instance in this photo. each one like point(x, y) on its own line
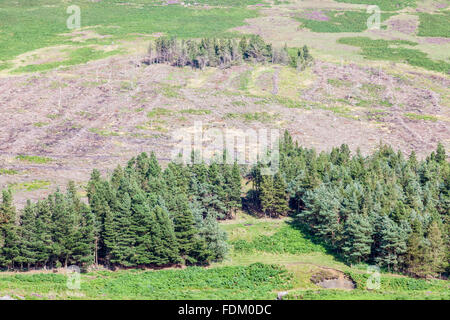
point(103, 132)
point(197, 112)
point(7, 172)
point(29, 186)
point(415, 116)
point(169, 91)
point(339, 83)
point(255, 116)
point(40, 124)
point(244, 80)
point(34, 159)
point(156, 112)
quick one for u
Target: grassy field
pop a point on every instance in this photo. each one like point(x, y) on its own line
point(267, 256)
point(434, 25)
point(26, 27)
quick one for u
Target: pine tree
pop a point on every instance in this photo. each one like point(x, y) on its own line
point(266, 195)
point(358, 238)
point(436, 253)
point(9, 241)
point(44, 229)
point(167, 237)
point(415, 254)
point(184, 227)
point(123, 248)
point(321, 214)
point(280, 197)
point(235, 196)
point(27, 236)
point(144, 229)
point(393, 244)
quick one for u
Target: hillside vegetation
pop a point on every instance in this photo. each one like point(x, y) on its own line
point(358, 207)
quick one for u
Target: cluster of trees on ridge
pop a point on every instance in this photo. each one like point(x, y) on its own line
point(384, 209)
point(212, 52)
point(140, 216)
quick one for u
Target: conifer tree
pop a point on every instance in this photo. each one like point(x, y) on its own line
point(27, 236)
point(281, 202)
point(9, 241)
point(184, 228)
point(358, 238)
point(436, 253)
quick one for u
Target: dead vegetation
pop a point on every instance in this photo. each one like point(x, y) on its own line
point(100, 114)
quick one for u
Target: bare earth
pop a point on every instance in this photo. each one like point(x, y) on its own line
point(95, 115)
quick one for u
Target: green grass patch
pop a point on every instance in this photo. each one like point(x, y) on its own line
point(29, 186)
point(157, 112)
point(104, 133)
point(256, 281)
point(40, 124)
point(34, 159)
point(170, 91)
point(287, 239)
point(415, 116)
point(225, 3)
point(31, 25)
point(386, 5)
point(197, 112)
point(7, 172)
point(339, 83)
point(340, 21)
point(394, 51)
point(255, 116)
point(434, 25)
point(78, 56)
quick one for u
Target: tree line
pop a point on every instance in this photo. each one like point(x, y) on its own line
point(141, 215)
point(384, 208)
point(212, 52)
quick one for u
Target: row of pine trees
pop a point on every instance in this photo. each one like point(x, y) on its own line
point(139, 216)
point(383, 209)
point(212, 52)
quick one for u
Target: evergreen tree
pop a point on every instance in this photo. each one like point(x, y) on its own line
point(393, 244)
point(27, 236)
point(436, 253)
point(184, 228)
point(9, 241)
point(358, 238)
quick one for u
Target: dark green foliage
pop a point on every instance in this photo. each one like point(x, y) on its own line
point(141, 216)
point(9, 240)
point(212, 52)
point(382, 208)
point(357, 238)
